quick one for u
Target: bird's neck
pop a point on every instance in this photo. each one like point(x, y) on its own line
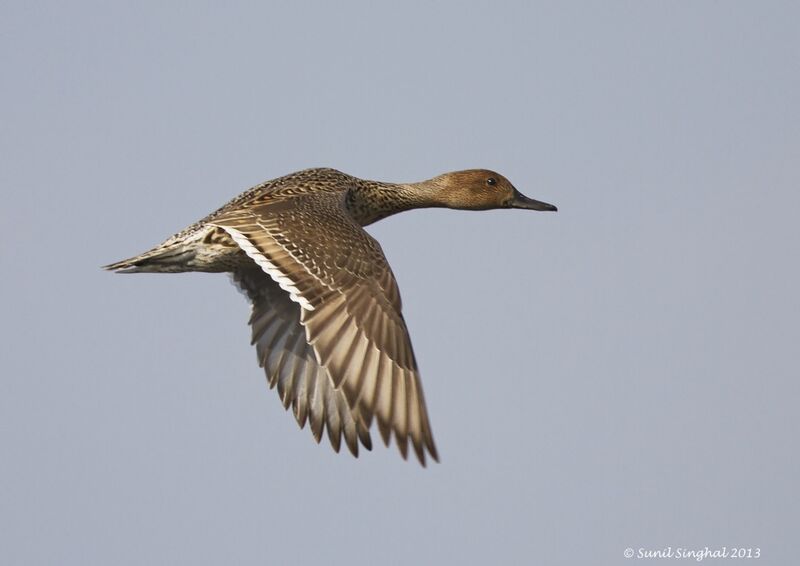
point(370, 201)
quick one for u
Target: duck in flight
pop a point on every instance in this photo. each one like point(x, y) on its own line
point(326, 315)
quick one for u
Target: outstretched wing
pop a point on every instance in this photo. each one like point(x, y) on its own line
point(348, 302)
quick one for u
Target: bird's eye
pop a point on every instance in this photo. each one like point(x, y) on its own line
point(491, 181)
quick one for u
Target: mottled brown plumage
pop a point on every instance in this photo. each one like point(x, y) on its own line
point(326, 317)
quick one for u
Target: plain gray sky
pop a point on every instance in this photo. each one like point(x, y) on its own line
point(620, 374)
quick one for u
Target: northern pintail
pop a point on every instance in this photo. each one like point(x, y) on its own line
point(326, 314)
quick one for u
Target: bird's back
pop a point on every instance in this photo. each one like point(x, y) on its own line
point(207, 248)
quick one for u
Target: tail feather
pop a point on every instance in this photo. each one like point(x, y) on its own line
point(169, 259)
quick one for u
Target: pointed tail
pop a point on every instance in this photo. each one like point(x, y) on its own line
point(162, 259)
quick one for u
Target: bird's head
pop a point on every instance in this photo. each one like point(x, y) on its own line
point(481, 189)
